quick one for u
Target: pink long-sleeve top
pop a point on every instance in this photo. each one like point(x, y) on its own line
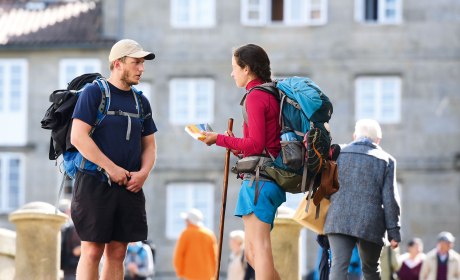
point(262, 130)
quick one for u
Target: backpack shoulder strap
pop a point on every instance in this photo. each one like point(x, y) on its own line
point(269, 88)
point(266, 87)
point(243, 107)
point(138, 98)
point(105, 101)
point(101, 113)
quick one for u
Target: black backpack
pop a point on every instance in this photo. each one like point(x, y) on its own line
point(59, 115)
point(58, 119)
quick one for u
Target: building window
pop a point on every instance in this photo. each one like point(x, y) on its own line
point(11, 182)
point(378, 98)
point(285, 12)
point(378, 11)
point(73, 67)
point(193, 13)
point(13, 101)
point(191, 100)
point(183, 196)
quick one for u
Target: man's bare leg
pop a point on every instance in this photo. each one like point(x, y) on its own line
point(88, 265)
point(114, 256)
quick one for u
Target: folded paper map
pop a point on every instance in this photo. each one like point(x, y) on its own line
point(194, 130)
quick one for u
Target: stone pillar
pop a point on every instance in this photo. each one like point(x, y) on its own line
point(38, 241)
point(285, 238)
point(7, 253)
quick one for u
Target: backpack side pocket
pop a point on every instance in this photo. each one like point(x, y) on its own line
point(293, 154)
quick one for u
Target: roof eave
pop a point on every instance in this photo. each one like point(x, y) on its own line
point(54, 46)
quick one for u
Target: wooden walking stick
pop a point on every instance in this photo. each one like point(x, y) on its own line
point(224, 202)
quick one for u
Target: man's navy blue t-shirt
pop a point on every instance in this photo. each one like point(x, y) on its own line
point(110, 134)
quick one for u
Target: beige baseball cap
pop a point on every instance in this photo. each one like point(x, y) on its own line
point(131, 48)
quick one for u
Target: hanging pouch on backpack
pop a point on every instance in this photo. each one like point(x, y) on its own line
point(292, 150)
point(69, 163)
point(293, 154)
point(74, 161)
point(288, 181)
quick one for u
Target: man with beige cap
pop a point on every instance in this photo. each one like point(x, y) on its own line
point(442, 263)
point(108, 206)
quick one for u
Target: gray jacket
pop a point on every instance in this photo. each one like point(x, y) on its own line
point(367, 203)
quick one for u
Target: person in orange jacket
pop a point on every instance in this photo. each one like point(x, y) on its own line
point(195, 257)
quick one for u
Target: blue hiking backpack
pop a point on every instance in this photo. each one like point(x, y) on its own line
point(58, 119)
point(305, 137)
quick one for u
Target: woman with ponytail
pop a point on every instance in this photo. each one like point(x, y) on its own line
point(261, 136)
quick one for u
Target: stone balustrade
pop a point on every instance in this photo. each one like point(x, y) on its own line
point(34, 251)
point(38, 241)
point(285, 238)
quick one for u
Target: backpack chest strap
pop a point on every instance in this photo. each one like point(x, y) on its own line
point(105, 88)
point(129, 116)
point(123, 113)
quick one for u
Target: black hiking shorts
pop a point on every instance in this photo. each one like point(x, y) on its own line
point(102, 213)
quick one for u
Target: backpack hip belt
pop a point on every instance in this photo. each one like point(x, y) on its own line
point(253, 168)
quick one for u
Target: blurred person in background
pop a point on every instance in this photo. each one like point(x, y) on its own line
point(195, 256)
point(354, 269)
point(412, 260)
point(442, 263)
point(70, 244)
point(138, 262)
point(238, 267)
point(389, 263)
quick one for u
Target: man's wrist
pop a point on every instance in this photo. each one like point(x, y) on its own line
point(144, 173)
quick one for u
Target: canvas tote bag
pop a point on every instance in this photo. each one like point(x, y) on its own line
point(309, 219)
point(314, 218)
